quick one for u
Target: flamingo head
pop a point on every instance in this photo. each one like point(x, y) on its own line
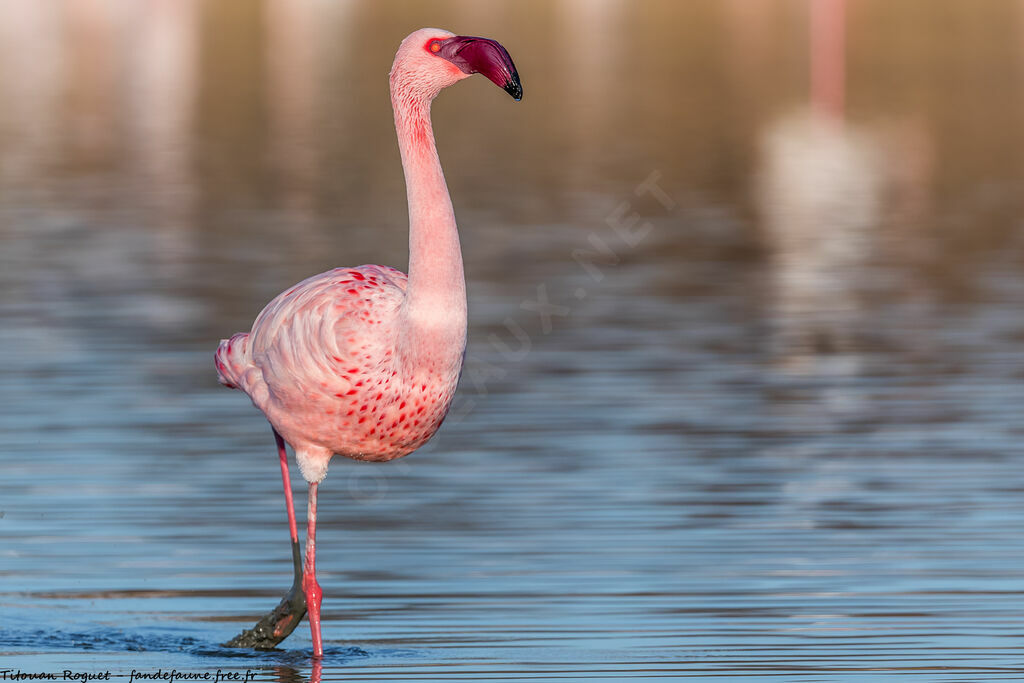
point(431, 59)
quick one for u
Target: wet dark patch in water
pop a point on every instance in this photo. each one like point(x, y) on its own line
point(121, 641)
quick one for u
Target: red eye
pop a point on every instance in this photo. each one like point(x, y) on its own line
point(435, 46)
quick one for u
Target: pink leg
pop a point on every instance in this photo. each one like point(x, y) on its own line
point(289, 503)
point(313, 592)
point(282, 453)
point(276, 626)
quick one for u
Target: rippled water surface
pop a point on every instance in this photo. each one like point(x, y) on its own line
point(745, 375)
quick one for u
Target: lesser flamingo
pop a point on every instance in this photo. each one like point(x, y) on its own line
point(363, 361)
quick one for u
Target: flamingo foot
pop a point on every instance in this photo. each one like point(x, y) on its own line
point(279, 623)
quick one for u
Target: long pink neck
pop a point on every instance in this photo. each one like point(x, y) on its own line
point(435, 306)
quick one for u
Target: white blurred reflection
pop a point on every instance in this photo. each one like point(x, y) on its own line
point(292, 78)
point(840, 203)
point(162, 80)
point(820, 198)
point(162, 63)
point(31, 79)
point(819, 191)
point(589, 28)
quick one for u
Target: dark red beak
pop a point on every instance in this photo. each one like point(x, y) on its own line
point(483, 56)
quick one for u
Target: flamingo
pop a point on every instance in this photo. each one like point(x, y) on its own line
point(363, 362)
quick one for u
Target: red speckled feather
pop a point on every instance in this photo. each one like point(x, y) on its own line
point(321, 364)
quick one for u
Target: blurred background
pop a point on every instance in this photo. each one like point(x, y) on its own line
point(744, 375)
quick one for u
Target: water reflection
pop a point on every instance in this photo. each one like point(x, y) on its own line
point(160, 93)
point(834, 198)
point(821, 199)
point(287, 674)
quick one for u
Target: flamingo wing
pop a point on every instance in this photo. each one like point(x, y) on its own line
point(308, 339)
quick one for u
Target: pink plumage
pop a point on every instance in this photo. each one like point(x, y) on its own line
point(323, 364)
point(363, 362)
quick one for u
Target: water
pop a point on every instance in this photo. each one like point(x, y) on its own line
point(744, 381)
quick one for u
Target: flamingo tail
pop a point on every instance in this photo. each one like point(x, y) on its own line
point(233, 359)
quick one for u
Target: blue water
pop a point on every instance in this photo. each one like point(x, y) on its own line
point(768, 428)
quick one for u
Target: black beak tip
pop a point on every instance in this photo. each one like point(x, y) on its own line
point(514, 87)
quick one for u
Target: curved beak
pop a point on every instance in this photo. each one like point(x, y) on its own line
point(483, 56)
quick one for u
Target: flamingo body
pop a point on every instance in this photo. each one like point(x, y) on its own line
point(321, 364)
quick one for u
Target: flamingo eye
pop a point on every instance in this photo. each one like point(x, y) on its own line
point(435, 46)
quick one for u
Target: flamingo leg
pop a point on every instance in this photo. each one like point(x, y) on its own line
point(282, 454)
point(313, 592)
point(279, 623)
